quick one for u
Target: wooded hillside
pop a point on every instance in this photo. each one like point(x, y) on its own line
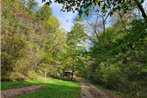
point(108, 50)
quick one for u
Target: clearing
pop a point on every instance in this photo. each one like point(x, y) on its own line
point(10, 93)
point(52, 88)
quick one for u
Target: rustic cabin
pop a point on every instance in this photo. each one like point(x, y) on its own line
point(67, 74)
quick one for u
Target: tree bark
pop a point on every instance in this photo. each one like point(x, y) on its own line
point(72, 74)
point(141, 9)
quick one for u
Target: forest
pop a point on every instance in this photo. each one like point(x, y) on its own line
point(107, 47)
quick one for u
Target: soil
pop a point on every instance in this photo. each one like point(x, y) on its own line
point(11, 93)
point(87, 91)
point(90, 91)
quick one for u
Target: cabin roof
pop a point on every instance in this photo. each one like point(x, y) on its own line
point(68, 71)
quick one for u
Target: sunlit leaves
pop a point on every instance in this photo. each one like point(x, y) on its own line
point(53, 23)
point(31, 41)
point(45, 12)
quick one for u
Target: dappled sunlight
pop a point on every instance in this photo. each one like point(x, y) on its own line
point(104, 43)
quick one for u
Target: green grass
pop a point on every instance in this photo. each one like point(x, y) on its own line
point(16, 84)
point(55, 88)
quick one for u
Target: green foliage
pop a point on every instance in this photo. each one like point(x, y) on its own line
point(31, 4)
point(76, 36)
point(119, 60)
point(34, 46)
point(31, 41)
point(44, 13)
point(85, 7)
point(53, 23)
point(13, 40)
point(73, 55)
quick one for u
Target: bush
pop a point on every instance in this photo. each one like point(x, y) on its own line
point(13, 76)
point(33, 75)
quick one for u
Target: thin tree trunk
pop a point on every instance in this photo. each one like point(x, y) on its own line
point(72, 74)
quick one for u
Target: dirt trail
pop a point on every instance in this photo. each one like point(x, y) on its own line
point(90, 91)
point(11, 93)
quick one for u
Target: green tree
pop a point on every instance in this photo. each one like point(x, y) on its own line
point(108, 6)
point(73, 53)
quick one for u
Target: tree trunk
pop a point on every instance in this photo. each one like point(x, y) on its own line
point(141, 9)
point(72, 75)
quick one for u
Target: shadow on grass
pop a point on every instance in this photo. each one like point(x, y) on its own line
point(54, 89)
point(14, 84)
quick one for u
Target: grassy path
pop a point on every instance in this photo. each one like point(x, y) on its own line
point(11, 93)
point(54, 88)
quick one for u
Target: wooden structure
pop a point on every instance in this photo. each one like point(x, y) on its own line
point(68, 74)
